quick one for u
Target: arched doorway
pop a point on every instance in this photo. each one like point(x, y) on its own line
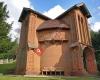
point(89, 60)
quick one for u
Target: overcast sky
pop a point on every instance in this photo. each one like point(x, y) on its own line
point(50, 8)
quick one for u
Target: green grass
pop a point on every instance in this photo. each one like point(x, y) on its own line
point(46, 78)
point(4, 68)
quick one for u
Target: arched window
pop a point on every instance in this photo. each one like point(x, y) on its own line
point(83, 31)
point(89, 60)
point(80, 27)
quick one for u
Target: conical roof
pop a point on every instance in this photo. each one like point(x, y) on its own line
point(52, 24)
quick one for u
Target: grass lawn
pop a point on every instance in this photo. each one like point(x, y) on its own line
point(46, 78)
point(4, 68)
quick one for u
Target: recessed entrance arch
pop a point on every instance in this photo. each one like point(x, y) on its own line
point(89, 60)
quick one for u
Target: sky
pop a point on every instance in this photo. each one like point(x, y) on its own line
point(50, 8)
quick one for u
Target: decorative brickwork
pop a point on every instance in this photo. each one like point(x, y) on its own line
point(56, 47)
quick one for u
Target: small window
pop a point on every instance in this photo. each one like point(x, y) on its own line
point(44, 72)
point(53, 73)
point(48, 72)
point(62, 73)
point(57, 73)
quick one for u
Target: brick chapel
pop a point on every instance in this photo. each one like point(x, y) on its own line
point(60, 46)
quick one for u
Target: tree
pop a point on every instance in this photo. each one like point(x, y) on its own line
point(5, 41)
point(96, 44)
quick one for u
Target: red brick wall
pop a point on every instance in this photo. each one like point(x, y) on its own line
point(57, 55)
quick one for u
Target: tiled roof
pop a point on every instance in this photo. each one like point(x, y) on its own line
point(80, 6)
